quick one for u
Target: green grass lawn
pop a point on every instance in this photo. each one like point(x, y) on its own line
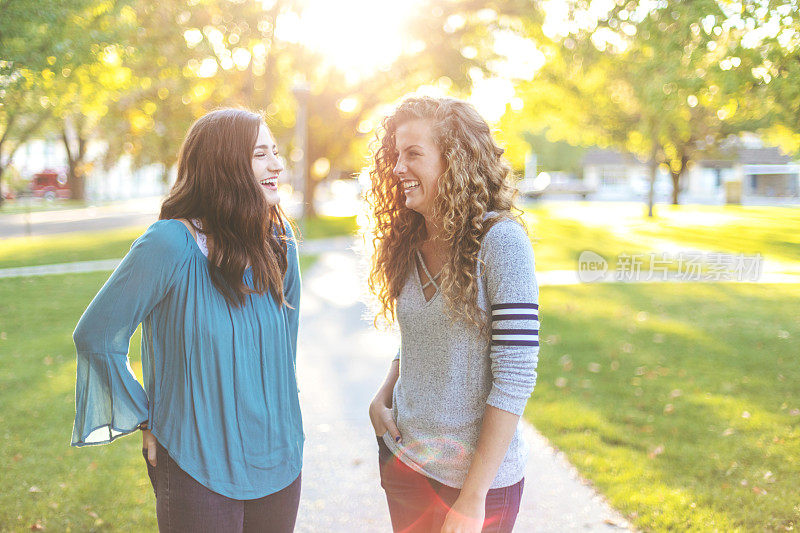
point(88, 246)
point(563, 229)
point(46, 481)
point(679, 401)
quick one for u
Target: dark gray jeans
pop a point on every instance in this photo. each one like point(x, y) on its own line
point(183, 504)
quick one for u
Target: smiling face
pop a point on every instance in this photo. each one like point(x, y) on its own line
point(419, 164)
point(267, 165)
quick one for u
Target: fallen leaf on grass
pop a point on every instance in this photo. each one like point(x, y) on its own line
point(658, 450)
point(37, 526)
point(17, 458)
point(34, 489)
point(627, 347)
point(759, 490)
point(675, 393)
point(668, 409)
point(794, 412)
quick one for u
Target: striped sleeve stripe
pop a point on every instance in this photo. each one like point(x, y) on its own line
point(515, 336)
point(496, 331)
point(515, 306)
point(515, 343)
point(526, 316)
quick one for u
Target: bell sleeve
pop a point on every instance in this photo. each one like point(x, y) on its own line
point(109, 401)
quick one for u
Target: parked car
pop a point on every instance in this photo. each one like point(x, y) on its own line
point(50, 184)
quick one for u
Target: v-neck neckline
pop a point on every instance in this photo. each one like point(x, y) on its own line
point(430, 279)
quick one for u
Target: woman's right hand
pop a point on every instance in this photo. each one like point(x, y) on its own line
point(149, 445)
point(380, 414)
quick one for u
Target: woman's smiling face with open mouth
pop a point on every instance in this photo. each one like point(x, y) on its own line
point(267, 166)
point(419, 164)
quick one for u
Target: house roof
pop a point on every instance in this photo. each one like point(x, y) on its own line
point(763, 156)
point(745, 156)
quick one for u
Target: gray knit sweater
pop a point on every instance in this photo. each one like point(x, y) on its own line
point(449, 372)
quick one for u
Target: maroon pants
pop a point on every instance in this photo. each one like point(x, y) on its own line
point(419, 504)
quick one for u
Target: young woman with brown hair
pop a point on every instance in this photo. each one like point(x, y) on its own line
point(216, 286)
point(455, 267)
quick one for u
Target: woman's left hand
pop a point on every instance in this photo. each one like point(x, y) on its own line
point(466, 516)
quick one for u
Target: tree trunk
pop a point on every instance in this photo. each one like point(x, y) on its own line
point(76, 173)
point(676, 185)
point(652, 171)
point(676, 179)
point(3, 166)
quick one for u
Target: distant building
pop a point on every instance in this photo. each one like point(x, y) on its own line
point(620, 176)
point(765, 173)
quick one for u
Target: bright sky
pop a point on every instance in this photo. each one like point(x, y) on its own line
point(359, 36)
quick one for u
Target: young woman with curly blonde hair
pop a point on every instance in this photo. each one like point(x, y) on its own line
point(455, 268)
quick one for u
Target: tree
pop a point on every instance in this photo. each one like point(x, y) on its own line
point(659, 80)
point(55, 73)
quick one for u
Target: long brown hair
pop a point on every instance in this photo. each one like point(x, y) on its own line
point(475, 182)
point(216, 185)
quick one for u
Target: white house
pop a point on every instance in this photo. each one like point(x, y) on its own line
point(765, 174)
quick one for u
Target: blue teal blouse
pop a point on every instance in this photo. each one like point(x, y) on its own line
point(220, 386)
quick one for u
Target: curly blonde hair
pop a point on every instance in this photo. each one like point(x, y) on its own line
point(476, 181)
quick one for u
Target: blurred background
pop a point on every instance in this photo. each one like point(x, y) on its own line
point(595, 99)
point(656, 149)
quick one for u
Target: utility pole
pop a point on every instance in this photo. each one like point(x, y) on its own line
point(301, 91)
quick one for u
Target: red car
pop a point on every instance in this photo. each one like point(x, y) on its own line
point(50, 184)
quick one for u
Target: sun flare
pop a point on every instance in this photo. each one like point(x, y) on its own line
point(356, 36)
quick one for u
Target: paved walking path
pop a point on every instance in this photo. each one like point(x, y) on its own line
point(342, 360)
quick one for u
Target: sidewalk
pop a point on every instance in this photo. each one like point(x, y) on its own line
point(342, 359)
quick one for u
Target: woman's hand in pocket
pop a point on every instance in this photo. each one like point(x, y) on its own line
point(380, 414)
point(149, 446)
